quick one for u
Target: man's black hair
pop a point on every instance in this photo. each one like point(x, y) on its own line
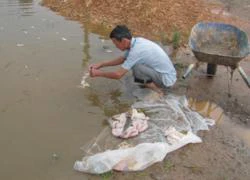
point(120, 32)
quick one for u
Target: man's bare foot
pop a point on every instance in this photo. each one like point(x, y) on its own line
point(155, 88)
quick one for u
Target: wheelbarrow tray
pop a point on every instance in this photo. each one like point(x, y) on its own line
point(217, 43)
point(217, 59)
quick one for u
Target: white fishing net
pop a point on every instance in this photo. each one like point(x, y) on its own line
point(171, 124)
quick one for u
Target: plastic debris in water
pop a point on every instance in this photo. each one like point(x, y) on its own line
point(107, 49)
point(55, 156)
point(19, 45)
point(83, 82)
point(25, 32)
point(32, 27)
point(38, 38)
point(64, 39)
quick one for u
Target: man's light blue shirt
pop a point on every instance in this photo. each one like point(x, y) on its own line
point(146, 52)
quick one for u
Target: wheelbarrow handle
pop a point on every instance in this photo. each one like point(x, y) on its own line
point(244, 76)
point(189, 69)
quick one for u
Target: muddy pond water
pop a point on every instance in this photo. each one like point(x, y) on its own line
point(45, 117)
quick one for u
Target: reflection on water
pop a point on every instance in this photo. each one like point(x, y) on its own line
point(207, 109)
point(212, 110)
point(25, 7)
point(86, 46)
point(86, 55)
point(109, 102)
point(25, 2)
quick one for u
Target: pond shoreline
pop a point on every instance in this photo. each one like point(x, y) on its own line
point(156, 20)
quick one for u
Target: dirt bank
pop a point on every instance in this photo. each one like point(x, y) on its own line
point(154, 19)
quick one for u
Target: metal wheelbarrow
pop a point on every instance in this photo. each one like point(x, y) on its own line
point(218, 44)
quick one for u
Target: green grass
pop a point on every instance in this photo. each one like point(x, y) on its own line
point(141, 174)
point(168, 165)
point(195, 169)
point(176, 39)
point(107, 175)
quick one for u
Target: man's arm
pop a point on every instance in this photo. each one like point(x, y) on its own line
point(114, 62)
point(111, 75)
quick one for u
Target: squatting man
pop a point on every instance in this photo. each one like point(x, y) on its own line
point(149, 63)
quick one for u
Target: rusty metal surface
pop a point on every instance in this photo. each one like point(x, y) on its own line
point(217, 59)
point(218, 43)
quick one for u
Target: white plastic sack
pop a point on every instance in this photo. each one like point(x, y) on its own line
point(133, 159)
point(171, 125)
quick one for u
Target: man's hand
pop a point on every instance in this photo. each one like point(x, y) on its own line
point(94, 72)
point(95, 66)
point(114, 62)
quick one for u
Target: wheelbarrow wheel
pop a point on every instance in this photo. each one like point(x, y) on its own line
point(211, 69)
